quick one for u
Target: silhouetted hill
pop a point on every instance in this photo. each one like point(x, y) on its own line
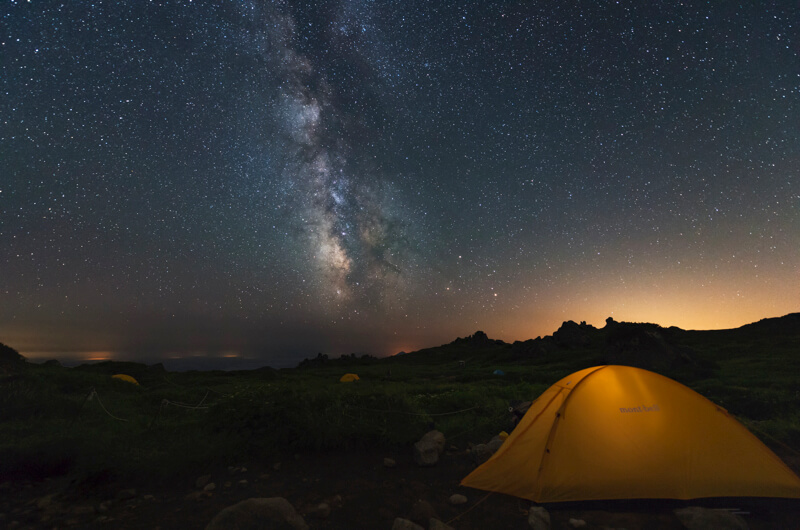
point(11, 361)
point(683, 354)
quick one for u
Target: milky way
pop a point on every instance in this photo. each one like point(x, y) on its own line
point(341, 214)
point(276, 179)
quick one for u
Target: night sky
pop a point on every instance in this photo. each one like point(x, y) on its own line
point(277, 179)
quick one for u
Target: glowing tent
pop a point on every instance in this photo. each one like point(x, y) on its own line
point(349, 378)
point(617, 432)
point(123, 377)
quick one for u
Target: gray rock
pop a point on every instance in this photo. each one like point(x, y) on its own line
point(389, 462)
point(425, 454)
point(436, 438)
point(697, 518)
point(494, 444)
point(480, 453)
point(576, 523)
point(124, 495)
point(457, 499)
point(195, 495)
point(422, 512)
point(44, 502)
point(538, 518)
point(202, 481)
point(257, 514)
point(428, 449)
point(322, 511)
point(405, 524)
point(210, 487)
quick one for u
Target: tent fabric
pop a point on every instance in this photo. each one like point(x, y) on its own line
point(124, 377)
point(618, 432)
point(499, 372)
point(349, 378)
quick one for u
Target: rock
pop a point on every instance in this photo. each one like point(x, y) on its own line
point(124, 495)
point(148, 497)
point(436, 524)
point(243, 469)
point(697, 518)
point(322, 511)
point(103, 507)
point(538, 518)
point(457, 499)
point(428, 448)
point(194, 496)
point(336, 500)
point(210, 487)
point(274, 512)
point(242, 483)
point(437, 438)
point(576, 523)
point(422, 512)
point(103, 519)
point(480, 453)
point(494, 444)
point(389, 462)
point(227, 484)
point(201, 482)
point(276, 466)
point(405, 524)
point(44, 502)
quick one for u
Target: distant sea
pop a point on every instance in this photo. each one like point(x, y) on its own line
point(185, 364)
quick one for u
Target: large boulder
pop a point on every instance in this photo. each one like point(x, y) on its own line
point(259, 514)
point(539, 518)
point(428, 449)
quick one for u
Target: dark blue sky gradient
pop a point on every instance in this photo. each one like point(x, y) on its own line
point(274, 179)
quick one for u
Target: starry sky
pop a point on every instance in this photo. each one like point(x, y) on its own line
point(274, 179)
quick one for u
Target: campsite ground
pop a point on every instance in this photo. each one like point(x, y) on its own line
point(360, 490)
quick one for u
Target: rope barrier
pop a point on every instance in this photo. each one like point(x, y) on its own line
point(186, 405)
point(95, 394)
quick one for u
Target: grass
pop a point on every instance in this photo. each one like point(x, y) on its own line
point(50, 425)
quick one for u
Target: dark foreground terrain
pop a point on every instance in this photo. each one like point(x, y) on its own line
point(359, 490)
point(80, 449)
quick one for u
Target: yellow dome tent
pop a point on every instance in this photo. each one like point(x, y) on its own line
point(123, 377)
point(349, 378)
point(617, 432)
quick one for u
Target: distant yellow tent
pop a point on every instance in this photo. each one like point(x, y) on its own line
point(123, 377)
point(617, 432)
point(349, 378)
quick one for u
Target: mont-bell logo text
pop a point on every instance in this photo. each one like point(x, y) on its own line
point(643, 408)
